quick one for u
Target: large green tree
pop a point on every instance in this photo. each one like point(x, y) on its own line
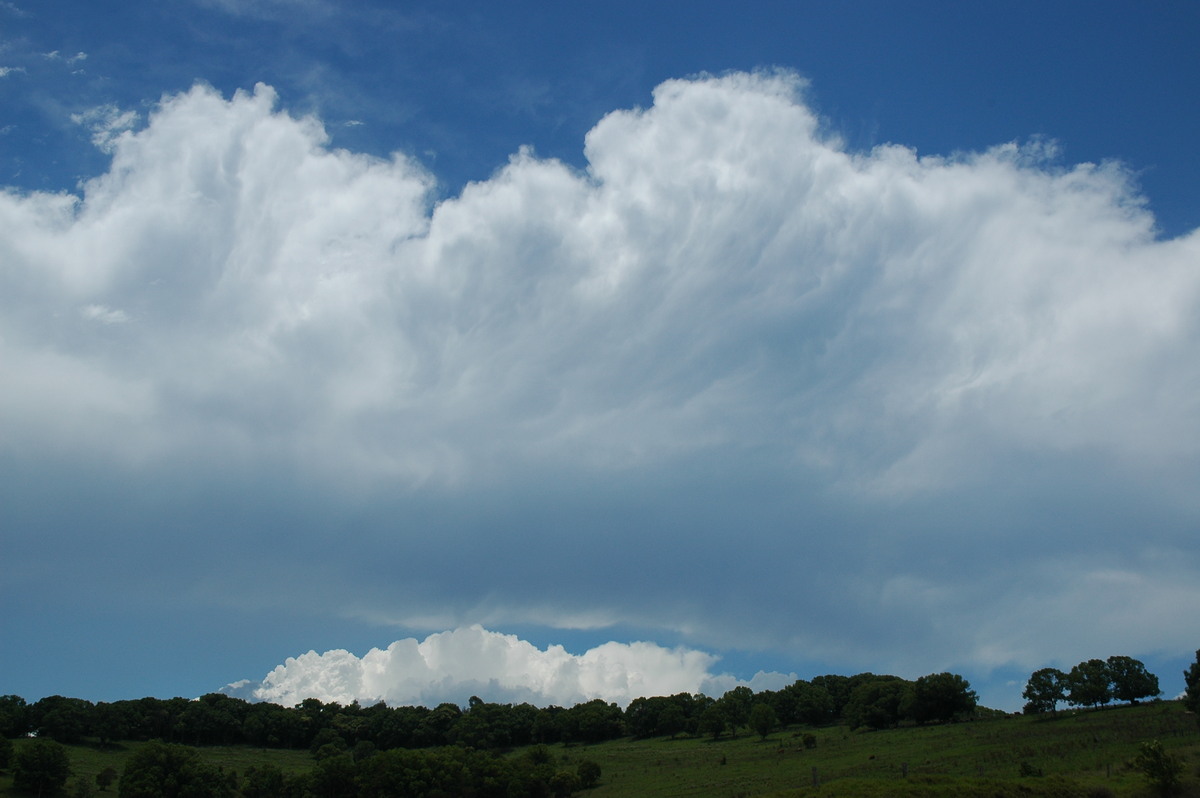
point(940, 697)
point(878, 703)
point(1088, 684)
point(14, 716)
point(64, 719)
point(763, 719)
point(736, 706)
point(1045, 688)
point(167, 770)
point(1130, 680)
point(41, 768)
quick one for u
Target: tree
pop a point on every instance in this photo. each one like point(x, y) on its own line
point(671, 721)
point(1088, 684)
point(42, 768)
point(876, 703)
point(167, 770)
point(14, 716)
point(1191, 677)
point(1045, 688)
point(6, 753)
point(109, 723)
point(735, 704)
point(1161, 769)
point(335, 777)
point(712, 721)
point(763, 719)
point(939, 697)
point(1130, 680)
point(804, 702)
point(65, 720)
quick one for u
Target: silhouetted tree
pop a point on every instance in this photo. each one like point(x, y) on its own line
point(1130, 681)
point(939, 697)
point(1045, 688)
point(1088, 684)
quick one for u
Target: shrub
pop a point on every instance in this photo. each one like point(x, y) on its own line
point(589, 774)
point(1163, 770)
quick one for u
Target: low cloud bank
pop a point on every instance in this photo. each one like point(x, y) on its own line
point(454, 665)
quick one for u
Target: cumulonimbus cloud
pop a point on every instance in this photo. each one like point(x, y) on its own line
point(720, 272)
point(870, 365)
point(453, 665)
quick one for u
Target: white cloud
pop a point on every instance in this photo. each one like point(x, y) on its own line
point(720, 273)
point(872, 365)
point(105, 315)
point(107, 123)
point(453, 665)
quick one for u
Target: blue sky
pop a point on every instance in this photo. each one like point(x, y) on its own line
point(797, 339)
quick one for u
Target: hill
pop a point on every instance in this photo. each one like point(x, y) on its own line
point(1084, 753)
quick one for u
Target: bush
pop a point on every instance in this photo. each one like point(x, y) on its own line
point(563, 783)
point(1163, 770)
point(589, 774)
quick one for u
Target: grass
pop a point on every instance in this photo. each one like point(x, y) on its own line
point(1076, 754)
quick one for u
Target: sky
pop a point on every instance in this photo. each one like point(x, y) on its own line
point(551, 351)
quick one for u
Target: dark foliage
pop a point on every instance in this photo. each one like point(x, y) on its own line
point(41, 768)
point(169, 770)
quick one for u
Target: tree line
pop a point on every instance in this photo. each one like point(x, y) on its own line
point(1096, 682)
point(866, 700)
point(449, 750)
point(418, 751)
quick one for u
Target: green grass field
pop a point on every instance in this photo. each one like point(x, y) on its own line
point(1077, 754)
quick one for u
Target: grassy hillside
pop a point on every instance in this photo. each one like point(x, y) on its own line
point(1077, 753)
